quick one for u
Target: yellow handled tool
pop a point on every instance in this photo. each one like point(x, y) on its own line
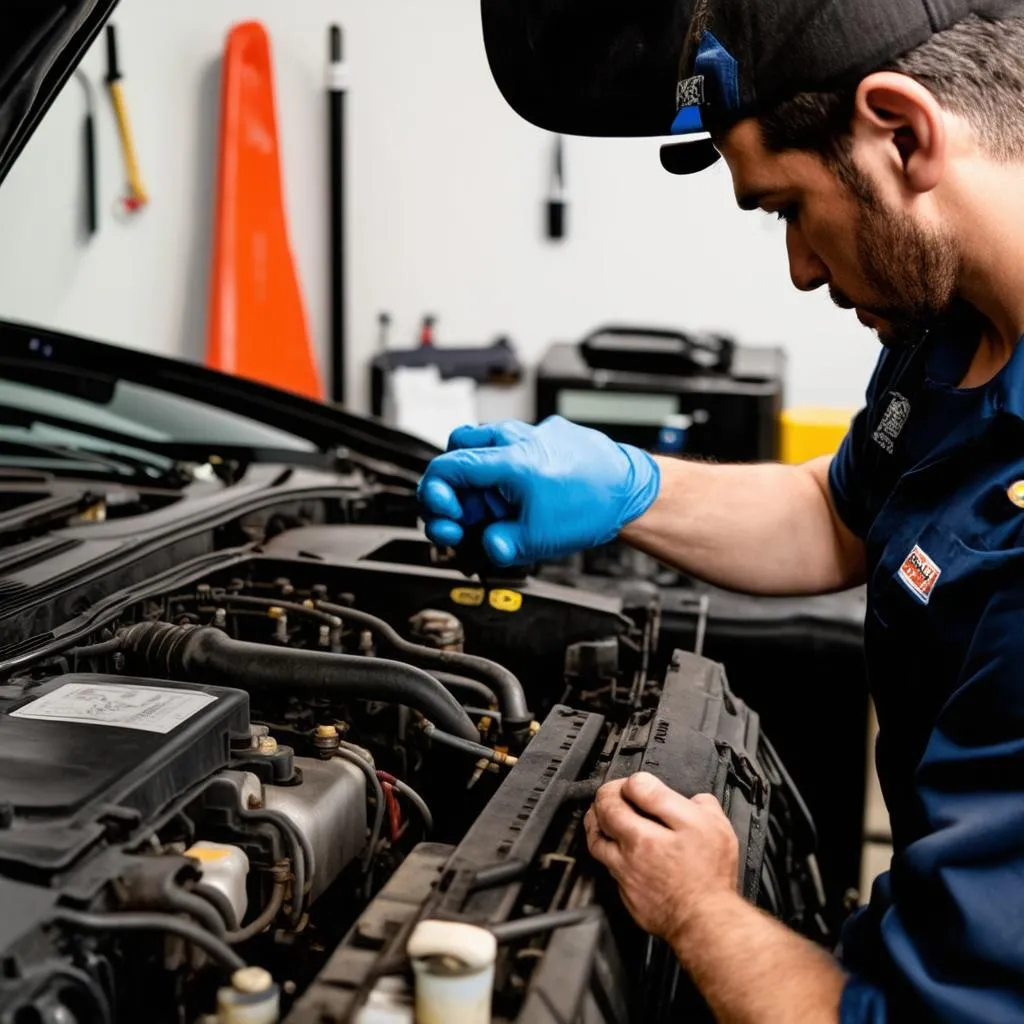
point(137, 197)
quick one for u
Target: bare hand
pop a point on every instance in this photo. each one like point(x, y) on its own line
point(668, 869)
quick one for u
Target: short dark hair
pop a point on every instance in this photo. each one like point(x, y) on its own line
point(975, 70)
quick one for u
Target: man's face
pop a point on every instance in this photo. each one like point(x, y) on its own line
point(899, 276)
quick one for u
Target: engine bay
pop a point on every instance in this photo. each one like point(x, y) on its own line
point(237, 789)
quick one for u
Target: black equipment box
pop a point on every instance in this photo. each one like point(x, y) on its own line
point(668, 392)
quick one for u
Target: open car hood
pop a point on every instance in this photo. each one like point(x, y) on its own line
point(91, 370)
point(41, 44)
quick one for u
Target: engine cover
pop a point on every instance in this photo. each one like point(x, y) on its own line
point(87, 756)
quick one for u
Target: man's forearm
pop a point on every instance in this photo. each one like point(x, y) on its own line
point(753, 970)
point(764, 529)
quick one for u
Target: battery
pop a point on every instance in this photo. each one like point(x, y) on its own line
point(668, 392)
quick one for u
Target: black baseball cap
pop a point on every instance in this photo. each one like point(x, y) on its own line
point(689, 67)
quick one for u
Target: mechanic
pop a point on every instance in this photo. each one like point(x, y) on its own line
point(889, 135)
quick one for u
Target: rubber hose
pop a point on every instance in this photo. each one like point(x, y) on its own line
point(347, 752)
point(219, 902)
point(84, 981)
point(455, 684)
point(193, 905)
point(227, 598)
point(96, 650)
point(526, 927)
point(300, 854)
point(413, 797)
point(145, 922)
point(511, 698)
point(260, 924)
point(476, 749)
point(204, 654)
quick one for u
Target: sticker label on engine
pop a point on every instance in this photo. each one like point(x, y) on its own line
point(146, 708)
point(468, 597)
point(505, 600)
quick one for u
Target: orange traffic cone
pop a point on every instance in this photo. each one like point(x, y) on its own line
point(258, 325)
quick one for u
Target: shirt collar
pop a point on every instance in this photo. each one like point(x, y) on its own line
point(948, 361)
point(1009, 384)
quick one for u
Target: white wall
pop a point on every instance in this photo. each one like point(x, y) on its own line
point(445, 190)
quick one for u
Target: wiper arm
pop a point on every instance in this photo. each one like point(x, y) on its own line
point(174, 451)
point(115, 461)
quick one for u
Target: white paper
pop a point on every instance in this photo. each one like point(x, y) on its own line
point(431, 408)
point(145, 708)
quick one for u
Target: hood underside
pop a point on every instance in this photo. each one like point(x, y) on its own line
point(41, 44)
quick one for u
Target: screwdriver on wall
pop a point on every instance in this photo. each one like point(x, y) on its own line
point(137, 197)
point(89, 144)
point(557, 197)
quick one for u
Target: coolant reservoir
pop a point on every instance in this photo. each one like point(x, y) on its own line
point(224, 868)
point(454, 968)
point(252, 999)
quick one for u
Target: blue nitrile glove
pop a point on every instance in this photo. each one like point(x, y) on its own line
point(546, 491)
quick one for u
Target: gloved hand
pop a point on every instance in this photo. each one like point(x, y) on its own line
point(540, 492)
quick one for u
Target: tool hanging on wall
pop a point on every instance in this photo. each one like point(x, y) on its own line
point(89, 153)
point(427, 329)
point(557, 207)
point(383, 330)
point(137, 196)
point(337, 85)
point(257, 327)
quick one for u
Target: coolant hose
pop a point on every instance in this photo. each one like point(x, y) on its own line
point(145, 922)
point(206, 655)
point(515, 714)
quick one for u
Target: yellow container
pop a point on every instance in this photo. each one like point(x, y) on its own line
point(808, 432)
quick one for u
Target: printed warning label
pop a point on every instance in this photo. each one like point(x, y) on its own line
point(146, 708)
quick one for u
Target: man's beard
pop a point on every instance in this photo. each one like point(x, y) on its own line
point(914, 273)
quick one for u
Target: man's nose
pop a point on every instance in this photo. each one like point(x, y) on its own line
point(805, 268)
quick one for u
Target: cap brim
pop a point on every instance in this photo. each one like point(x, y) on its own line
point(690, 157)
point(582, 68)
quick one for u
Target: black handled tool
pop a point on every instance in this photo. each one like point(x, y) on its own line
point(337, 85)
point(557, 207)
point(92, 216)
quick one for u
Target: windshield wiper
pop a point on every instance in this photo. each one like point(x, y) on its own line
point(117, 462)
point(178, 452)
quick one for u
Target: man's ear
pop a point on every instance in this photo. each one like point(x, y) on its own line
point(904, 119)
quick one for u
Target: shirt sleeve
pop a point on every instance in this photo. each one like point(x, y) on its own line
point(847, 473)
point(849, 495)
point(953, 937)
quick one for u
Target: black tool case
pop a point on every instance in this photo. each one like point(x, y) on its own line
point(668, 392)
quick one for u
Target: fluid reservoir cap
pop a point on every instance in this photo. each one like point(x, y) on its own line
point(474, 948)
point(252, 980)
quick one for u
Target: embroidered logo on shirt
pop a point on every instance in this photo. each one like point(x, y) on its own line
point(920, 574)
point(893, 422)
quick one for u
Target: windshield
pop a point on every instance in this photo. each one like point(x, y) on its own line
point(134, 411)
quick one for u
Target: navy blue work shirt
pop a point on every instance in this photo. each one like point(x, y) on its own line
point(931, 477)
